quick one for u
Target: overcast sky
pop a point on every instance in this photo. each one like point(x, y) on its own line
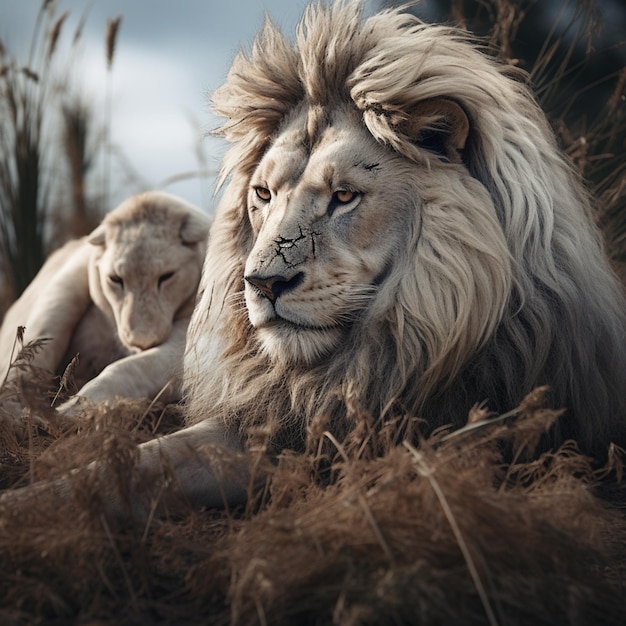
point(170, 54)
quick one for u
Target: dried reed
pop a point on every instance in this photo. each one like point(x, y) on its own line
point(110, 42)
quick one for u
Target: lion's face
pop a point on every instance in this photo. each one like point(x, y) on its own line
point(146, 267)
point(326, 234)
point(145, 285)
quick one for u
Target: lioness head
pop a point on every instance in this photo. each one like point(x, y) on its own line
point(146, 266)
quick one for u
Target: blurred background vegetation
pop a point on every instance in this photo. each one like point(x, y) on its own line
point(55, 154)
point(49, 138)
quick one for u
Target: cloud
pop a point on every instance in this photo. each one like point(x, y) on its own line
point(169, 55)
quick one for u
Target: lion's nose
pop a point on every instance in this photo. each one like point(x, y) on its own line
point(274, 286)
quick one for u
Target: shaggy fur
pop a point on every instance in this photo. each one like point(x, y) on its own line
point(501, 284)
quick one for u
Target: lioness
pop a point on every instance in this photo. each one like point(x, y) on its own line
point(120, 299)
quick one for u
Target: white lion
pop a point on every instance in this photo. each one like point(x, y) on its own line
point(398, 233)
point(120, 299)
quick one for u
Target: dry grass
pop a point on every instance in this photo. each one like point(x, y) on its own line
point(358, 532)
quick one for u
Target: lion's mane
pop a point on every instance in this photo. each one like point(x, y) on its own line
point(560, 319)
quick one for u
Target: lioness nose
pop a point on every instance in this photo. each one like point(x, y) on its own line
point(273, 286)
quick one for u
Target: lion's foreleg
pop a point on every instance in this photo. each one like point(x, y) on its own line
point(201, 466)
point(153, 373)
point(58, 308)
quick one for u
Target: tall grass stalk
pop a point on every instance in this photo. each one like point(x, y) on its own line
point(110, 43)
point(81, 151)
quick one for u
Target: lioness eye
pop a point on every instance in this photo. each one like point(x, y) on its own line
point(165, 277)
point(344, 196)
point(117, 280)
point(263, 193)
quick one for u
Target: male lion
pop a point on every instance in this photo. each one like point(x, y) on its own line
point(120, 299)
point(398, 233)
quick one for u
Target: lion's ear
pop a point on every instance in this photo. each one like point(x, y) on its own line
point(194, 228)
point(98, 236)
point(440, 126)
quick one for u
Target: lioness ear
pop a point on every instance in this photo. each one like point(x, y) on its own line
point(98, 236)
point(194, 228)
point(440, 126)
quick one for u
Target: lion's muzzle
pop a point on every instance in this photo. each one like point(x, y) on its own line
point(271, 287)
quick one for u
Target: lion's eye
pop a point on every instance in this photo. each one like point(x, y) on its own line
point(343, 200)
point(263, 193)
point(344, 196)
point(116, 280)
point(165, 277)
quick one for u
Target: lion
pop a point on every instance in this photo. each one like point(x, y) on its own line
point(398, 232)
point(120, 299)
